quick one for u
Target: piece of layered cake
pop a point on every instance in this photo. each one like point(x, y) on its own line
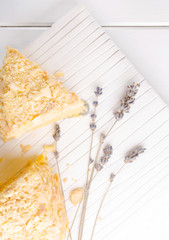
point(31, 98)
point(32, 205)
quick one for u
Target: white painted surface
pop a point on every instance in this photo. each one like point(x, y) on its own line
point(107, 12)
point(147, 48)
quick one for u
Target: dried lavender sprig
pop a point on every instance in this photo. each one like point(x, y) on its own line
point(132, 90)
point(98, 92)
point(56, 137)
point(132, 156)
point(107, 153)
point(125, 102)
point(128, 99)
point(129, 158)
point(56, 134)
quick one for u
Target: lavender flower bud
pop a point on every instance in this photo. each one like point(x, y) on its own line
point(98, 91)
point(92, 126)
point(102, 137)
point(141, 150)
point(56, 154)
point(93, 116)
point(95, 103)
point(118, 115)
point(56, 135)
point(91, 161)
point(103, 160)
point(125, 106)
point(98, 167)
point(130, 100)
point(108, 150)
point(112, 176)
point(134, 154)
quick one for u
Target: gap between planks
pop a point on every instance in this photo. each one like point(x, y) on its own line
point(112, 25)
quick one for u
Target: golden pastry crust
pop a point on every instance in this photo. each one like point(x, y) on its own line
point(30, 98)
point(32, 205)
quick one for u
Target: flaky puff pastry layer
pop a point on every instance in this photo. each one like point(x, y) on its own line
point(32, 205)
point(31, 98)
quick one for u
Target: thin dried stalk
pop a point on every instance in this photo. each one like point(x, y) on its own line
point(85, 200)
point(90, 150)
point(111, 128)
point(82, 218)
point(61, 185)
point(73, 220)
point(120, 169)
point(102, 201)
point(98, 92)
point(94, 176)
point(101, 204)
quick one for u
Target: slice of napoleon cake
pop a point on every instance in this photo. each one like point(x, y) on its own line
point(32, 205)
point(30, 98)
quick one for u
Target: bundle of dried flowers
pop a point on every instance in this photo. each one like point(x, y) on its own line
point(128, 159)
point(98, 164)
point(125, 105)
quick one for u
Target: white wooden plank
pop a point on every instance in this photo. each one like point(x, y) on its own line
point(31, 12)
point(129, 12)
point(18, 38)
point(148, 50)
point(108, 12)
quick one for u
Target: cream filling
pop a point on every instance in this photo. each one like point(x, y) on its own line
point(73, 110)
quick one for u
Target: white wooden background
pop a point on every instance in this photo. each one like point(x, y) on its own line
point(141, 30)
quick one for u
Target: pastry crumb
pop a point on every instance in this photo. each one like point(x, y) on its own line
point(68, 165)
point(49, 148)
point(74, 180)
point(76, 195)
point(59, 74)
point(65, 180)
point(100, 219)
point(25, 148)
